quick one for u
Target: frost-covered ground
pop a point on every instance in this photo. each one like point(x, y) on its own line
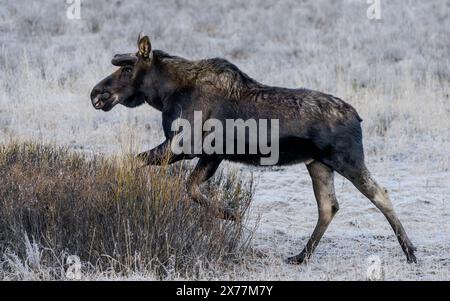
point(395, 71)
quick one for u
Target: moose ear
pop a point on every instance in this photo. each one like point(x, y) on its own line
point(144, 46)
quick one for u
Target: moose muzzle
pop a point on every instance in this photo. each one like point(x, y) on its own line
point(100, 100)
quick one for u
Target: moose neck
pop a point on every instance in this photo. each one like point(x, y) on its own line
point(166, 75)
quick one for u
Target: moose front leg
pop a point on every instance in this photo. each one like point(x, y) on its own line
point(160, 154)
point(204, 170)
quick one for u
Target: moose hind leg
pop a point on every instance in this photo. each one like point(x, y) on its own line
point(363, 181)
point(323, 184)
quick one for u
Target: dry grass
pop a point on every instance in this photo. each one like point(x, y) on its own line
point(118, 218)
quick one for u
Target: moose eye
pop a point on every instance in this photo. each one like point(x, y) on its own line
point(127, 69)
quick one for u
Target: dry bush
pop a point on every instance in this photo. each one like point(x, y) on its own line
point(118, 218)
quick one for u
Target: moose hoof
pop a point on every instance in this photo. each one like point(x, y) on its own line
point(297, 259)
point(409, 250)
point(410, 257)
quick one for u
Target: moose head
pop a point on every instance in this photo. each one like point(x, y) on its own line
point(127, 84)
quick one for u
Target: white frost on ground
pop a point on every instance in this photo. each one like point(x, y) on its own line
point(288, 212)
point(395, 71)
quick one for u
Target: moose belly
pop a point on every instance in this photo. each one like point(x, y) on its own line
point(291, 150)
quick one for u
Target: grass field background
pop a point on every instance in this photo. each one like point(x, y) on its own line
point(395, 71)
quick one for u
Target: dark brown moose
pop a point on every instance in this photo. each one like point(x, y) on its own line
point(317, 129)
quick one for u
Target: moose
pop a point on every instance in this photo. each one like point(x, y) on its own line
point(317, 129)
